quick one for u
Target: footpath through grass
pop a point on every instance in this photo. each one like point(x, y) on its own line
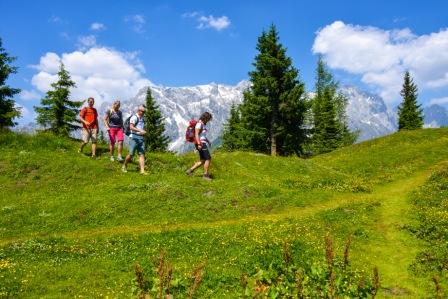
point(71, 226)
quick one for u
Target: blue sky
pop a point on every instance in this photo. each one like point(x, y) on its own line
point(113, 48)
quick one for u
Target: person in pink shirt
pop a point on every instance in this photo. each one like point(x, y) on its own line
point(113, 120)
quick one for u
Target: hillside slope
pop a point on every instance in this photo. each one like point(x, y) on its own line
point(82, 223)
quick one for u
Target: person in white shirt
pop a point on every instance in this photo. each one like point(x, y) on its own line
point(137, 142)
point(202, 145)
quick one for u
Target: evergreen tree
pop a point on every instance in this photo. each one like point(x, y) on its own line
point(58, 113)
point(155, 140)
point(330, 129)
point(273, 109)
point(8, 111)
point(410, 114)
point(232, 138)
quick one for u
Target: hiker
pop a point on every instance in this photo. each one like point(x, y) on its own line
point(113, 120)
point(89, 119)
point(137, 143)
point(202, 145)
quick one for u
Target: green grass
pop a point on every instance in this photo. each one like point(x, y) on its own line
point(71, 226)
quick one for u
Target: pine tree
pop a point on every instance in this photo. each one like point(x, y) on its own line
point(8, 111)
point(155, 140)
point(58, 113)
point(273, 109)
point(232, 138)
point(410, 114)
point(330, 129)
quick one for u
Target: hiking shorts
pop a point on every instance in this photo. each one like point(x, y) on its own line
point(204, 153)
point(137, 145)
point(89, 134)
point(115, 134)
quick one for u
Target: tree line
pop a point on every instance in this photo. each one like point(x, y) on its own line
point(276, 116)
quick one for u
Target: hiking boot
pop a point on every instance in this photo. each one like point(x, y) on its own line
point(207, 177)
point(124, 168)
point(112, 158)
point(120, 159)
point(189, 172)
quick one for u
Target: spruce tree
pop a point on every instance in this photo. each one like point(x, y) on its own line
point(8, 111)
point(232, 138)
point(273, 109)
point(58, 113)
point(330, 129)
point(410, 114)
point(155, 140)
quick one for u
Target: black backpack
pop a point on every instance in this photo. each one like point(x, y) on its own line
point(127, 125)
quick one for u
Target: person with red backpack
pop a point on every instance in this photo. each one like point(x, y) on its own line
point(201, 143)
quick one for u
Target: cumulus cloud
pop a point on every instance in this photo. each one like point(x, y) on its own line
point(97, 26)
point(138, 23)
point(204, 22)
point(86, 42)
point(439, 101)
point(380, 56)
point(29, 95)
point(103, 73)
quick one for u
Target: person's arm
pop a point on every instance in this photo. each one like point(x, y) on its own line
point(135, 129)
point(96, 119)
point(106, 121)
point(196, 133)
point(81, 117)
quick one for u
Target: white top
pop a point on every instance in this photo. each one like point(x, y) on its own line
point(140, 125)
point(202, 133)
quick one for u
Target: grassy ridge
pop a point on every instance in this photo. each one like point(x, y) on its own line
point(70, 217)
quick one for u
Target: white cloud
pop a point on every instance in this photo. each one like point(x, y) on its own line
point(55, 19)
point(212, 22)
point(439, 101)
point(381, 56)
point(138, 23)
point(24, 112)
point(97, 26)
point(86, 42)
point(204, 22)
point(49, 63)
point(103, 73)
point(29, 95)
point(65, 36)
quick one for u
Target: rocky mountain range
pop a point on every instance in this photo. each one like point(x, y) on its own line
point(366, 111)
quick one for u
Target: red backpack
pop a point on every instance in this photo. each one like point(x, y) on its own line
point(190, 132)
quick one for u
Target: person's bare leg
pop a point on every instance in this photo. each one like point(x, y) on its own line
point(142, 163)
point(93, 149)
point(82, 146)
point(196, 165)
point(120, 148)
point(111, 149)
point(206, 166)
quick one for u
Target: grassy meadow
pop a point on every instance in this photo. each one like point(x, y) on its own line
point(72, 227)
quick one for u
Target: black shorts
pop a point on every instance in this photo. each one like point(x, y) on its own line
point(204, 153)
